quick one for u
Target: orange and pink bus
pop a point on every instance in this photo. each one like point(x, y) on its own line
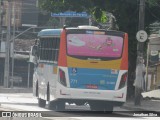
point(81, 65)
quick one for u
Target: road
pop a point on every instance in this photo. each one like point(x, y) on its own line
point(22, 103)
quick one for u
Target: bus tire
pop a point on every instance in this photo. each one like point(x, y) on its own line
point(60, 106)
point(52, 105)
point(48, 93)
point(96, 107)
point(101, 107)
point(36, 89)
point(56, 105)
point(41, 102)
point(108, 108)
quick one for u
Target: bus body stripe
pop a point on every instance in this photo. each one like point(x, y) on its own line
point(111, 64)
point(62, 60)
point(89, 78)
point(124, 62)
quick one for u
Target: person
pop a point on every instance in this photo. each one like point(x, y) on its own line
point(139, 81)
point(144, 73)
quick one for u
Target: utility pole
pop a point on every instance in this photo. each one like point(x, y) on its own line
point(0, 16)
point(13, 42)
point(7, 47)
point(139, 68)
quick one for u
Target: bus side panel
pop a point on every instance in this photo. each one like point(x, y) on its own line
point(42, 80)
point(52, 80)
point(124, 62)
point(35, 83)
point(62, 60)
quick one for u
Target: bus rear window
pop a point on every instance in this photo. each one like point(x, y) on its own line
point(92, 45)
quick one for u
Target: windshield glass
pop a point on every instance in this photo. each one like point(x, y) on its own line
point(93, 45)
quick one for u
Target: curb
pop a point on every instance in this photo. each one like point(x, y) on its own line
point(16, 90)
point(134, 108)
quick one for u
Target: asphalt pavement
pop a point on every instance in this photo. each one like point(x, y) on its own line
point(146, 104)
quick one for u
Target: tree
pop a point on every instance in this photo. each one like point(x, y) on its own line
point(125, 11)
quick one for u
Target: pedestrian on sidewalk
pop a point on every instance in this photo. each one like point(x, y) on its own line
point(144, 75)
point(139, 81)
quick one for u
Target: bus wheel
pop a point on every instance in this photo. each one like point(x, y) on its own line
point(108, 108)
point(36, 89)
point(52, 105)
point(41, 102)
point(96, 106)
point(56, 105)
point(60, 106)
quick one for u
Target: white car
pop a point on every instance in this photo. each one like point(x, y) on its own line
point(152, 94)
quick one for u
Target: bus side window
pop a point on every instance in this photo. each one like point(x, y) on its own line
point(49, 49)
point(41, 49)
point(53, 49)
point(57, 50)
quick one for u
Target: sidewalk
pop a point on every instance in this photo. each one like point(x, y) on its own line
point(15, 90)
point(150, 102)
point(146, 105)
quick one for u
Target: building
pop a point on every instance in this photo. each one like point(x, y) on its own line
point(153, 64)
point(24, 14)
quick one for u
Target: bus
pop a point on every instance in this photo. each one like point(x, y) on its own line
point(82, 65)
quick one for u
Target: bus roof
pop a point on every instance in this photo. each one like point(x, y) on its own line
point(88, 27)
point(49, 32)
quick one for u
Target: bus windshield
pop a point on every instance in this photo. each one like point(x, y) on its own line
point(93, 45)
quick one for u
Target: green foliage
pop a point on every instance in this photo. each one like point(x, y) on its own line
point(104, 18)
point(93, 8)
point(65, 5)
point(53, 22)
point(99, 15)
point(153, 3)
